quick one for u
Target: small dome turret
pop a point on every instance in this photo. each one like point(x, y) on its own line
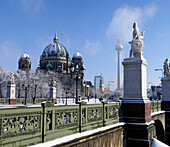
point(24, 62)
point(77, 55)
point(25, 56)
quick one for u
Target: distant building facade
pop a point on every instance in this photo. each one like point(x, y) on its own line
point(98, 85)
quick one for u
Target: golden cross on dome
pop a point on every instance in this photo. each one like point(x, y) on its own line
point(77, 49)
point(25, 51)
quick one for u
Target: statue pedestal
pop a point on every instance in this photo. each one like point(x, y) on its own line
point(136, 107)
point(12, 101)
point(11, 93)
point(166, 106)
point(53, 95)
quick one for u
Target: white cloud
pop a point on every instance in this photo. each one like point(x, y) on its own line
point(31, 5)
point(124, 17)
point(92, 47)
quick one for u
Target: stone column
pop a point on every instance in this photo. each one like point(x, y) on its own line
point(53, 92)
point(136, 107)
point(166, 106)
point(11, 93)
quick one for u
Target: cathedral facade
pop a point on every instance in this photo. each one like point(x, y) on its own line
point(55, 58)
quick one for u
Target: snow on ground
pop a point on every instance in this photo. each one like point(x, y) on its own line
point(70, 101)
point(68, 138)
point(157, 143)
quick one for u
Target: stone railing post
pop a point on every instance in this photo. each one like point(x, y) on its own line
point(166, 106)
point(104, 121)
point(44, 118)
point(80, 114)
point(136, 107)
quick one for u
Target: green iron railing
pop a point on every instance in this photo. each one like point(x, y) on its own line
point(155, 106)
point(32, 125)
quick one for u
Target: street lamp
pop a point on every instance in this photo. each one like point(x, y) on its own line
point(67, 90)
point(26, 88)
point(78, 73)
point(160, 70)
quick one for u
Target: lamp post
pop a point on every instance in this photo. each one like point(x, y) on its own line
point(35, 93)
point(26, 88)
point(78, 73)
point(160, 70)
point(66, 95)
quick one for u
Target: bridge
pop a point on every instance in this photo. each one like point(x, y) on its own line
point(86, 123)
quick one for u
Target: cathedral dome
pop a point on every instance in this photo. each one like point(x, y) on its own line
point(55, 49)
point(77, 55)
point(25, 56)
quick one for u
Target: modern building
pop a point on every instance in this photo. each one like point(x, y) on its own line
point(98, 85)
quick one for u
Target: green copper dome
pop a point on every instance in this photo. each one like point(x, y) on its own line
point(55, 49)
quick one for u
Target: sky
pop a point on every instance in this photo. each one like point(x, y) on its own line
point(92, 26)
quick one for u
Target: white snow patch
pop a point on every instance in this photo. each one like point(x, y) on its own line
point(157, 143)
point(68, 138)
point(156, 113)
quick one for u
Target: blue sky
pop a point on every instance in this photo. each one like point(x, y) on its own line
point(92, 26)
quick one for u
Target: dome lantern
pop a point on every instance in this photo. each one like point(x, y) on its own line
point(77, 55)
point(55, 38)
point(24, 56)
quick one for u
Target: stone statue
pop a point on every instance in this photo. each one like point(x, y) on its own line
point(53, 83)
point(166, 68)
point(137, 45)
point(12, 79)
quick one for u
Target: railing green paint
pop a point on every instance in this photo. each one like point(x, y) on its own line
point(155, 106)
point(32, 125)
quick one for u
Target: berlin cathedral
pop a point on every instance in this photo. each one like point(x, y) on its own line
point(55, 57)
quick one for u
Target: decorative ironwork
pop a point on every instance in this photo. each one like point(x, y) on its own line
point(19, 125)
point(84, 116)
point(66, 118)
point(94, 114)
point(113, 112)
point(49, 120)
